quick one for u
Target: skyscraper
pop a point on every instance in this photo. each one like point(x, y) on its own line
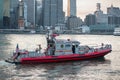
point(31, 10)
point(71, 11)
point(14, 14)
point(52, 12)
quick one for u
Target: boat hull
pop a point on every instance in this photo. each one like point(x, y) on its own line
point(63, 58)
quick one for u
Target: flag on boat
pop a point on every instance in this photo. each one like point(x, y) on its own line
point(17, 48)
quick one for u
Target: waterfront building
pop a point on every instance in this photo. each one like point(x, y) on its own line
point(101, 18)
point(14, 3)
point(25, 15)
point(102, 28)
point(114, 20)
point(100, 22)
point(82, 29)
point(21, 20)
point(14, 14)
point(115, 11)
point(71, 10)
point(39, 13)
point(74, 22)
point(60, 28)
point(31, 11)
point(90, 19)
point(4, 14)
point(52, 12)
point(85, 29)
point(113, 15)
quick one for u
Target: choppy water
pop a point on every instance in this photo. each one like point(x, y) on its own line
point(100, 69)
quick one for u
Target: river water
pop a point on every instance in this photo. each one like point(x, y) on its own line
point(99, 69)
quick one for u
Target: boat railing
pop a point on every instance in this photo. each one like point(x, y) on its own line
point(104, 47)
point(27, 54)
point(88, 49)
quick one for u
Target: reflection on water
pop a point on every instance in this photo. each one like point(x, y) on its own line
point(107, 68)
point(93, 69)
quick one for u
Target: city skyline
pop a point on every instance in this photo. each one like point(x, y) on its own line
point(85, 7)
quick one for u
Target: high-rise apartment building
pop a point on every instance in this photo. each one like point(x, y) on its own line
point(71, 11)
point(52, 12)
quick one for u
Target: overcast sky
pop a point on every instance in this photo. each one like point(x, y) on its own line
point(85, 7)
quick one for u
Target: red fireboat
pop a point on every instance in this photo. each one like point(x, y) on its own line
point(59, 51)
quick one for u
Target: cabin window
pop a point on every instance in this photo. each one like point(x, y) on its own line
point(62, 46)
point(76, 46)
point(67, 45)
point(51, 45)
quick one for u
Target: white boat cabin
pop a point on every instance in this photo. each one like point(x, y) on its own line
point(64, 47)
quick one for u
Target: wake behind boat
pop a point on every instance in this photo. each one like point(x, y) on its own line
point(59, 51)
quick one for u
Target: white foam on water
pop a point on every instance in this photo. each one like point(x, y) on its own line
point(3, 63)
